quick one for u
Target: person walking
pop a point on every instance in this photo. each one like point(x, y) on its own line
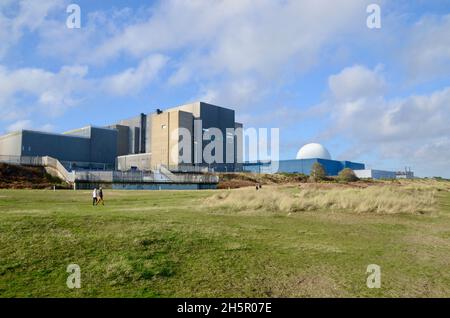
point(94, 197)
point(100, 196)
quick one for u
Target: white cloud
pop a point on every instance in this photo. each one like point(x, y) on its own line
point(28, 124)
point(355, 82)
point(134, 79)
point(19, 125)
point(412, 129)
point(426, 53)
point(29, 90)
point(25, 15)
point(216, 43)
point(77, 45)
point(235, 94)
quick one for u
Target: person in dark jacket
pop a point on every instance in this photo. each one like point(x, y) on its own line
point(100, 196)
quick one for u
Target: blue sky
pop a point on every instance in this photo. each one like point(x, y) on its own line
point(311, 68)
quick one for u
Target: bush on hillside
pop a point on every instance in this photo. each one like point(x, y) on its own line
point(317, 172)
point(347, 175)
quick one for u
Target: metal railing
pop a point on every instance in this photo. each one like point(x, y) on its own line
point(188, 168)
point(39, 162)
point(140, 177)
point(60, 169)
point(162, 175)
point(22, 160)
point(187, 178)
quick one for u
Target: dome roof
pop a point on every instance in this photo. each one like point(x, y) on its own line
point(313, 151)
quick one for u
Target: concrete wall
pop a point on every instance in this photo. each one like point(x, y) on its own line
point(184, 120)
point(11, 144)
point(239, 147)
point(212, 117)
point(193, 108)
point(134, 133)
point(375, 174)
point(148, 134)
point(123, 139)
point(103, 145)
point(139, 161)
point(160, 139)
point(139, 134)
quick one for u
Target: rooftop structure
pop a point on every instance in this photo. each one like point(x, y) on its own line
point(313, 151)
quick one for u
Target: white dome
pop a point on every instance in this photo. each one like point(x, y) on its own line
point(313, 151)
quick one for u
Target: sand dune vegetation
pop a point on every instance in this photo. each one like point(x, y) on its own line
point(412, 198)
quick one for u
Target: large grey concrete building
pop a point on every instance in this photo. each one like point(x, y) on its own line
point(89, 147)
point(143, 142)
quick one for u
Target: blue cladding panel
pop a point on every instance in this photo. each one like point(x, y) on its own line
point(353, 165)
point(296, 166)
point(61, 147)
point(332, 167)
point(101, 147)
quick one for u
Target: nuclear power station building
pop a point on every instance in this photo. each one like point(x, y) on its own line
point(195, 137)
point(313, 153)
point(142, 143)
point(307, 156)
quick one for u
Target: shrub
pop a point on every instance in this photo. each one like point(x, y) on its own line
point(317, 172)
point(347, 175)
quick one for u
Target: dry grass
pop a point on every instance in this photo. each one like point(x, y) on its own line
point(411, 199)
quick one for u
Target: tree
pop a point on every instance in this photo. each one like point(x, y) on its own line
point(317, 172)
point(347, 175)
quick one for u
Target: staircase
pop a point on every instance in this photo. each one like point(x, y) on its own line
point(51, 165)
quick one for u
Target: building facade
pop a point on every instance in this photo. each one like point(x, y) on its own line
point(181, 136)
point(331, 167)
point(375, 174)
point(176, 138)
point(88, 148)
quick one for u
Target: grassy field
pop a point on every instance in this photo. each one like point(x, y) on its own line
point(192, 244)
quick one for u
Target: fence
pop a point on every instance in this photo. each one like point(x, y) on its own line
point(140, 177)
point(21, 160)
point(162, 175)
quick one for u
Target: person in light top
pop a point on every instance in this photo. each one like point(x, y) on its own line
point(94, 197)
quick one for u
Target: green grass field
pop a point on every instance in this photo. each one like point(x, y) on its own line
point(172, 244)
